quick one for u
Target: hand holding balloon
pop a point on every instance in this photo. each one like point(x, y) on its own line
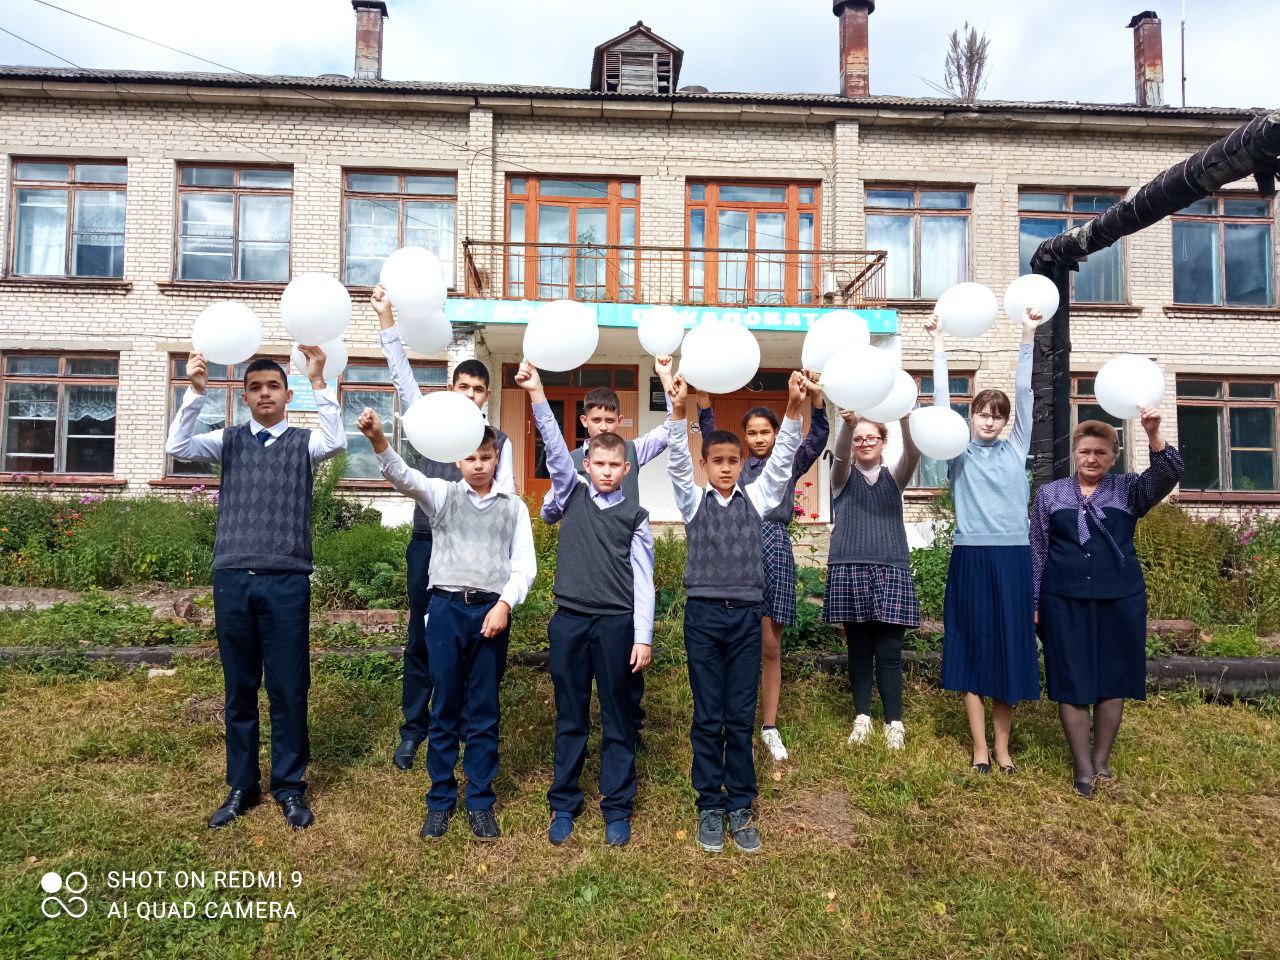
point(1151, 425)
point(679, 396)
point(1031, 318)
point(797, 392)
point(527, 378)
point(663, 368)
point(315, 365)
point(382, 307)
point(813, 386)
point(370, 425)
point(703, 399)
point(933, 327)
point(197, 372)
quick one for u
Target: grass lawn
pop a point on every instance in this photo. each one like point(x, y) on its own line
point(866, 854)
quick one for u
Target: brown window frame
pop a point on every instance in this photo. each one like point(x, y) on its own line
point(711, 204)
point(72, 187)
point(1221, 219)
point(397, 199)
point(237, 192)
point(232, 384)
point(392, 425)
point(1224, 404)
point(916, 212)
point(1074, 219)
point(61, 380)
point(1080, 396)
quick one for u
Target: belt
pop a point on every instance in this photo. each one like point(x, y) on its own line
point(422, 534)
point(469, 597)
point(731, 604)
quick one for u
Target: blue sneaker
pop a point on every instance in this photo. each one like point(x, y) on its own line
point(617, 833)
point(561, 829)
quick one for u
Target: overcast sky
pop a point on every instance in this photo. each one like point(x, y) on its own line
point(1040, 49)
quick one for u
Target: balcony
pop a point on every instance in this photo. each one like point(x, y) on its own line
point(679, 276)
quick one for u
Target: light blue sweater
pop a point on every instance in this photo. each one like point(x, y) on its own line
point(989, 479)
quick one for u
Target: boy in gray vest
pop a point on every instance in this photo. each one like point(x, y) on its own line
point(482, 565)
point(603, 627)
point(724, 584)
point(471, 379)
point(261, 570)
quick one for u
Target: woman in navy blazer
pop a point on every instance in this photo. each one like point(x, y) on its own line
point(1090, 596)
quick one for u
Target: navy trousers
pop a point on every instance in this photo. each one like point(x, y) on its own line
point(415, 691)
point(466, 671)
point(263, 622)
point(722, 643)
point(585, 647)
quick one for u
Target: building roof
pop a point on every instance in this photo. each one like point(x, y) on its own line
point(342, 84)
point(639, 30)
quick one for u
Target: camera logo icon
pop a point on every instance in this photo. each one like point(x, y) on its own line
point(73, 906)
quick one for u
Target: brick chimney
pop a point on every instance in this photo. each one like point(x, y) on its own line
point(369, 17)
point(855, 55)
point(1148, 59)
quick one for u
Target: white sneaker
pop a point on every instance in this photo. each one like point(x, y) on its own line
point(861, 729)
point(773, 740)
point(895, 735)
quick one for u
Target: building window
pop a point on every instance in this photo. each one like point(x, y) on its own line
point(368, 384)
point(1100, 278)
point(584, 229)
point(1084, 406)
point(932, 474)
point(59, 413)
point(389, 210)
point(1227, 433)
point(69, 218)
point(926, 234)
point(224, 407)
point(753, 232)
point(1222, 252)
point(234, 223)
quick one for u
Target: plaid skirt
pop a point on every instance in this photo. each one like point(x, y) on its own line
point(779, 575)
point(858, 592)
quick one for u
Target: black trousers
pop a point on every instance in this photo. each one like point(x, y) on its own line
point(585, 647)
point(876, 647)
point(415, 691)
point(263, 622)
point(722, 643)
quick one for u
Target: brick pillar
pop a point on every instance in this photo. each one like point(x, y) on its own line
point(855, 53)
point(369, 17)
point(1148, 59)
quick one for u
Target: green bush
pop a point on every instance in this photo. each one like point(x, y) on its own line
point(1232, 641)
point(362, 567)
point(929, 568)
point(1186, 564)
point(95, 620)
point(809, 632)
point(330, 510)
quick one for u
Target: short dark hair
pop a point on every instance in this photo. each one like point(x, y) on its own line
point(265, 363)
point(717, 437)
point(471, 368)
point(997, 400)
point(764, 413)
point(489, 438)
point(607, 441)
point(604, 399)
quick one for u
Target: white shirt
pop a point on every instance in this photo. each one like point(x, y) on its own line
point(430, 494)
point(185, 444)
point(765, 492)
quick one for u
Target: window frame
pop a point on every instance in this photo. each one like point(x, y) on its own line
point(72, 187)
point(398, 199)
point(613, 203)
point(925, 399)
point(1075, 219)
point(1224, 404)
point(1079, 396)
point(395, 434)
point(915, 211)
point(230, 384)
point(236, 191)
point(1221, 220)
point(62, 380)
point(711, 204)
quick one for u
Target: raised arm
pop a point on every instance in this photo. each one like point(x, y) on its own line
point(680, 460)
point(1020, 434)
point(910, 459)
point(183, 442)
point(842, 454)
point(332, 435)
point(407, 388)
point(814, 442)
point(1158, 480)
point(428, 492)
point(941, 378)
point(706, 415)
point(767, 490)
point(559, 464)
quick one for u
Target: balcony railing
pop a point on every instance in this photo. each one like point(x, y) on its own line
point(700, 276)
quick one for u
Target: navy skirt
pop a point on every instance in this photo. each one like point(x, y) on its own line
point(779, 575)
point(1094, 649)
point(989, 644)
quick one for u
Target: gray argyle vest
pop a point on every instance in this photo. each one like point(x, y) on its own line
point(471, 545)
point(726, 550)
point(439, 471)
point(264, 502)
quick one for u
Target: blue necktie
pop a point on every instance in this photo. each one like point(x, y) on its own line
point(262, 436)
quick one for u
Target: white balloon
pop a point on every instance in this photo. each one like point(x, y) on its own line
point(315, 308)
point(1127, 383)
point(443, 426)
point(561, 336)
point(939, 432)
point(967, 309)
point(227, 333)
point(1033, 290)
point(831, 332)
point(335, 360)
point(660, 331)
point(427, 334)
point(900, 401)
point(414, 278)
point(719, 357)
point(858, 377)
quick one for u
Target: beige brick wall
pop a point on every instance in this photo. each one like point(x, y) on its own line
point(484, 147)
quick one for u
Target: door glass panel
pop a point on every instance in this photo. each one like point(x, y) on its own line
point(770, 269)
point(732, 273)
point(553, 260)
point(590, 275)
point(540, 449)
point(627, 255)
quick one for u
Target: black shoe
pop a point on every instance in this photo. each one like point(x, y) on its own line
point(296, 812)
point(483, 824)
point(1084, 788)
point(436, 824)
point(711, 830)
point(238, 803)
point(1009, 770)
point(982, 768)
point(405, 753)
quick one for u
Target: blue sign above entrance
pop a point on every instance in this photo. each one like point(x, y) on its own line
point(777, 319)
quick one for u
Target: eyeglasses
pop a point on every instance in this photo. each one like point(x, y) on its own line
point(866, 441)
